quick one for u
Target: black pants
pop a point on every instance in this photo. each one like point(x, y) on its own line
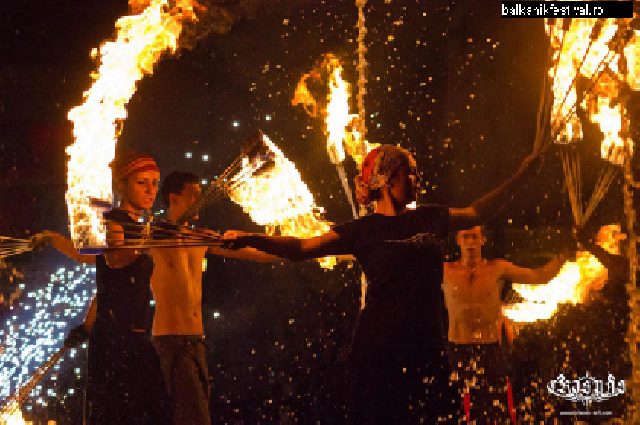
point(401, 385)
point(183, 361)
point(124, 379)
point(481, 372)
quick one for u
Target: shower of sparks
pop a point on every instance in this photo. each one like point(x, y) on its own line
point(35, 325)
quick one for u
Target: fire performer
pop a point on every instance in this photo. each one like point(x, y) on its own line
point(178, 333)
point(399, 372)
point(472, 288)
point(125, 382)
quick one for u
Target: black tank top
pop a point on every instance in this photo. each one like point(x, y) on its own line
point(123, 294)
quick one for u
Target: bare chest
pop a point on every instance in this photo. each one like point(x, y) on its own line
point(473, 283)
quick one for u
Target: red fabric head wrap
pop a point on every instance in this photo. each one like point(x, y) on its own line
point(367, 165)
point(132, 162)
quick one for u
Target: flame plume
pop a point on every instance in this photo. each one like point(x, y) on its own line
point(600, 56)
point(141, 41)
point(341, 126)
point(572, 285)
point(278, 199)
point(595, 67)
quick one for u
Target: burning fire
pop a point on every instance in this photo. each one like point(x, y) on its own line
point(141, 41)
point(14, 419)
point(280, 200)
point(572, 285)
point(583, 53)
point(343, 137)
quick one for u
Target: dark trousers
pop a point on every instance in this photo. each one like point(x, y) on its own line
point(481, 372)
point(183, 362)
point(401, 385)
point(124, 382)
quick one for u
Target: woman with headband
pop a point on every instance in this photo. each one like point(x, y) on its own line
point(398, 369)
point(124, 383)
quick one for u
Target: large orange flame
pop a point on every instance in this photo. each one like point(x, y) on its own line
point(280, 200)
point(573, 284)
point(141, 41)
point(581, 55)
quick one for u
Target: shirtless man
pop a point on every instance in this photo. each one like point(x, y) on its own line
point(472, 288)
point(178, 333)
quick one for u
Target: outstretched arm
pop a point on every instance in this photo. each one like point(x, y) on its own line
point(615, 263)
point(539, 276)
point(291, 248)
point(482, 209)
point(250, 254)
point(62, 244)
point(90, 317)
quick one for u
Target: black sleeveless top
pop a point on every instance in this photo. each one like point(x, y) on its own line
point(123, 294)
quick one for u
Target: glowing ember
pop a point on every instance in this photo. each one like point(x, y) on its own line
point(280, 200)
point(582, 54)
point(141, 41)
point(14, 419)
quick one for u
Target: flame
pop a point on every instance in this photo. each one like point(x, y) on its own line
point(14, 419)
point(280, 200)
point(610, 120)
point(581, 59)
point(141, 41)
point(572, 285)
point(341, 125)
point(338, 116)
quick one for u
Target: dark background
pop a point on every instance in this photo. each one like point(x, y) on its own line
point(458, 85)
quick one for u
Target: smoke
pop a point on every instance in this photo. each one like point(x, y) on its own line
point(219, 16)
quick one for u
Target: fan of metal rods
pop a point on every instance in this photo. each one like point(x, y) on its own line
point(162, 234)
point(548, 132)
point(256, 158)
point(571, 167)
point(11, 246)
point(13, 403)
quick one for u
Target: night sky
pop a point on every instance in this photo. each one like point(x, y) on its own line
point(450, 80)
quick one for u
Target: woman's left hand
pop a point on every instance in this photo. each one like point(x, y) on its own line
point(40, 241)
point(235, 239)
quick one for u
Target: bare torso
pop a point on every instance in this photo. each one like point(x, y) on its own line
point(177, 288)
point(473, 302)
